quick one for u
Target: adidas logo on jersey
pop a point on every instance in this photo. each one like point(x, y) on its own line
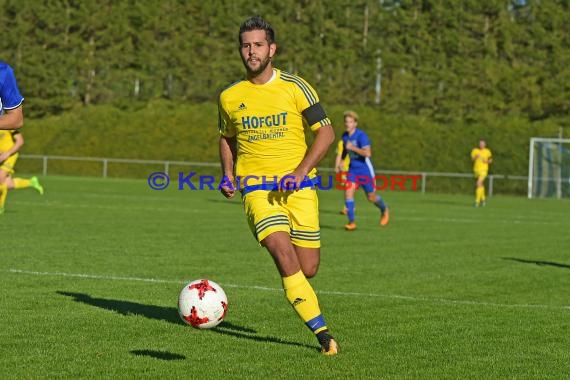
point(242, 107)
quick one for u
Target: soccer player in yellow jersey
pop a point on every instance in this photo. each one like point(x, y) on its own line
point(341, 164)
point(264, 155)
point(11, 119)
point(481, 158)
point(10, 144)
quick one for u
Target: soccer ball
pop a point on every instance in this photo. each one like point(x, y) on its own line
point(202, 304)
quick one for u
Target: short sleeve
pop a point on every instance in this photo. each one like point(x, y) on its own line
point(339, 147)
point(225, 126)
point(9, 92)
point(307, 102)
point(363, 140)
point(473, 153)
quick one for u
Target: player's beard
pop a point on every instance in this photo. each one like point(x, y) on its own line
point(263, 63)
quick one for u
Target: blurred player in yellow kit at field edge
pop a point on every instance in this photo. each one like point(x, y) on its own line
point(481, 158)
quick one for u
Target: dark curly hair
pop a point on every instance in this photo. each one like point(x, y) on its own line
point(257, 23)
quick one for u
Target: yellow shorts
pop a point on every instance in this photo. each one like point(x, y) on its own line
point(296, 213)
point(481, 175)
point(9, 164)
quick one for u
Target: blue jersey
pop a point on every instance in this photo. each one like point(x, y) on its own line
point(10, 96)
point(358, 163)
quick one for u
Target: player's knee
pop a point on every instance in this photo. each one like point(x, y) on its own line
point(311, 270)
point(310, 274)
point(372, 197)
point(282, 251)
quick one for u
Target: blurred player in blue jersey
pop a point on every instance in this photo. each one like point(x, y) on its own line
point(360, 171)
point(11, 119)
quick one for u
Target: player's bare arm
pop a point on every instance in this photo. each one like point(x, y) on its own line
point(338, 163)
point(324, 137)
point(12, 118)
point(227, 157)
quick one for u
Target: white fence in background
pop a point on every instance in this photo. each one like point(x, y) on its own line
point(167, 164)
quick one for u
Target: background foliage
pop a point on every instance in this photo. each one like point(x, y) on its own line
point(140, 78)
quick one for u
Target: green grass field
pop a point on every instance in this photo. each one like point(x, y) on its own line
point(90, 275)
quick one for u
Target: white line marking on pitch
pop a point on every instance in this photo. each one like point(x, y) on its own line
point(393, 296)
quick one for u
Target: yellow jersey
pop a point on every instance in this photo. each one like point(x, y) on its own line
point(7, 139)
point(346, 160)
point(481, 159)
point(269, 121)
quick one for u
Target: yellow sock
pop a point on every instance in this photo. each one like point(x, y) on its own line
point(3, 194)
point(482, 194)
point(478, 194)
point(302, 297)
point(21, 183)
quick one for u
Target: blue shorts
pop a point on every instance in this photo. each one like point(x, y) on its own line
point(363, 178)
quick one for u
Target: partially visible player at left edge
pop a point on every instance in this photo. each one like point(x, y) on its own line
point(11, 119)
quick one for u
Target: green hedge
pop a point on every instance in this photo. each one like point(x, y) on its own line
point(164, 130)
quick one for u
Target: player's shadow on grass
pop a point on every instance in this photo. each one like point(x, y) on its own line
point(167, 314)
point(170, 314)
point(537, 262)
point(162, 355)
